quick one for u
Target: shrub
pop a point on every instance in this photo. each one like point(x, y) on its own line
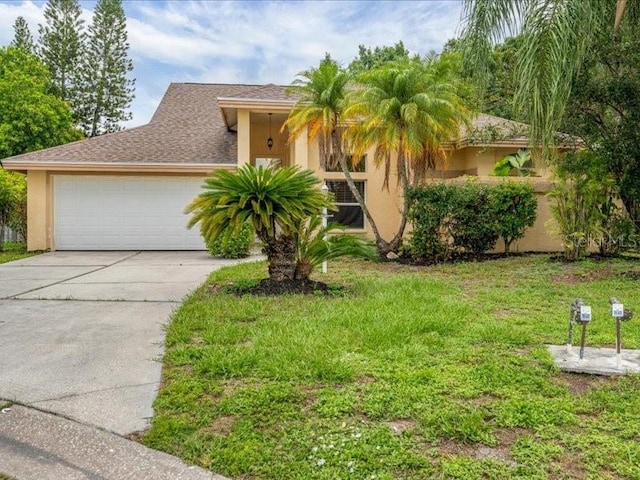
point(452, 218)
point(429, 210)
point(514, 205)
point(232, 246)
point(587, 207)
point(474, 224)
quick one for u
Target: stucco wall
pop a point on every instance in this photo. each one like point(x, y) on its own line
point(385, 206)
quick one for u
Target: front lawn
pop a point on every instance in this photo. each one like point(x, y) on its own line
point(14, 251)
point(410, 372)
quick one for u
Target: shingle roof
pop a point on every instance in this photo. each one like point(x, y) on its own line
point(187, 127)
point(489, 129)
point(266, 92)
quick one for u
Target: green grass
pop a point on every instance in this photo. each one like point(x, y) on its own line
point(413, 373)
point(14, 251)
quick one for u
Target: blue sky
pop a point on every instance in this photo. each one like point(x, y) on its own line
point(253, 41)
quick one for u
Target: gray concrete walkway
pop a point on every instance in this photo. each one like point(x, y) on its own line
point(37, 445)
point(81, 333)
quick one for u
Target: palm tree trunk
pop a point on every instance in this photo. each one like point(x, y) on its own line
point(281, 256)
point(381, 244)
point(396, 242)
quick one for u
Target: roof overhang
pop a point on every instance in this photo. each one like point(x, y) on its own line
point(230, 105)
point(118, 167)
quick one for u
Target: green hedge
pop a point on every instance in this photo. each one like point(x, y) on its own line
point(232, 246)
point(467, 218)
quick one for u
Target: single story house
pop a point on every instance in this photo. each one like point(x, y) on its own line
point(128, 190)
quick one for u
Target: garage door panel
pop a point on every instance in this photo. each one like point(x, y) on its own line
point(124, 213)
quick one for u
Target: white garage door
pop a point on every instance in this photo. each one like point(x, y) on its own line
point(124, 213)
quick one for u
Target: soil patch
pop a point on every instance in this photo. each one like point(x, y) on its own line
point(222, 425)
point(402, 424)
point(572, 278)
point(579, 383)
point(464, 257)
point(269, 287)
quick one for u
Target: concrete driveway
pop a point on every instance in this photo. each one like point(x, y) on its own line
point(81, 332)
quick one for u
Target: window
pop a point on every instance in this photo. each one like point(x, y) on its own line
point(349, 213)
point(360, 167)
point(267, 162)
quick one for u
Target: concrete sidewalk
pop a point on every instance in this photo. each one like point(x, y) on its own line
point(37, 445)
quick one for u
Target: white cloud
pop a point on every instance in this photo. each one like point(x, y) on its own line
point(254, 41)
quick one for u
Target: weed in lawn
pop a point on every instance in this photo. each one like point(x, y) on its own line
point(412, 373)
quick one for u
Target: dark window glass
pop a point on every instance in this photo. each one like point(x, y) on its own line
point(349, 212)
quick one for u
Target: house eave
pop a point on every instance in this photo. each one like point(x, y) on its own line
point(118, 167)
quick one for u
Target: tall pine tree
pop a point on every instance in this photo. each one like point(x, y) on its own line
point(61, 47)
point(107, 88)
point(22, 38)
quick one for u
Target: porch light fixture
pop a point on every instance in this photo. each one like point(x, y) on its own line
point(270, 139)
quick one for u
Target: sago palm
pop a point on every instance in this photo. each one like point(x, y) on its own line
point(408, 111)
point(314, 248)
point(557, 34)
point(276, 202)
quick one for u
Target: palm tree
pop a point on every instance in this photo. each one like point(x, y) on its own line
point(319, 110)
point(276, 202)
point(408, 110)
point(558, 34)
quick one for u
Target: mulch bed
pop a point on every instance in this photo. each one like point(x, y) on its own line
point(269, 287)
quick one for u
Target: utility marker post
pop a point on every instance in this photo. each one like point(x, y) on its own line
point(325, 217)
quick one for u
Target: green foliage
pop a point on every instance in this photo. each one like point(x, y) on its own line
point(61, 47)
point(228, 245)
point(13, 203)
point(313, 248)
point(30, 117)
point(106, 89)
point(576, 210)
point(604, 111)
point(275, 202)
point(497, 84)
point(470, 217)
point(318, 113)
point(407, 110)
point(517, 161)
point(22, 38)
point(474, 227)
point(514, 205)
point(557, 37)
point(369, 59)
point(587, 199)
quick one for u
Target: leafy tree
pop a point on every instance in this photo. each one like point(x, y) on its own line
point(514, 205)
point(368, 59)
point(107, 91)
point(275, 201)
point(604, 111)
point(559, 34)
point(497, 87)
point(407, 110)
point(61, 47)
point(318, 113)
point(13, 201)
point(22, 36)
point(31, 118)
